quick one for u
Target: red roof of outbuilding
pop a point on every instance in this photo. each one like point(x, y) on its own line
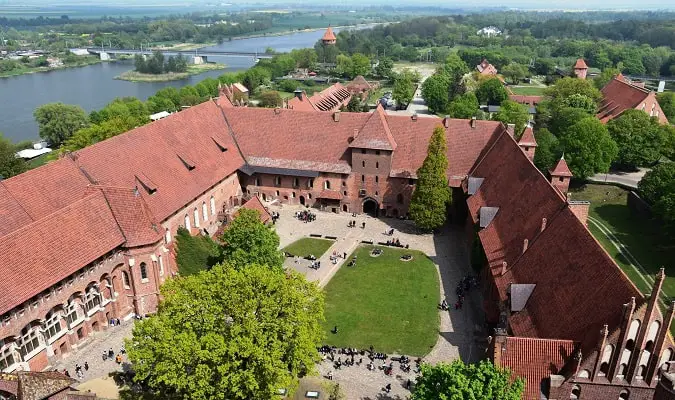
point(255, 204)
point(330, 195)
point(580, 64)
point(535, 360)
point(329, 35)
point(375, 134)
point(561, 168)
point(620, 95)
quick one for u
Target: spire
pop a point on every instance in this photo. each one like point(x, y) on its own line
point(561, 169)
point(527, 138)
point(329, 36)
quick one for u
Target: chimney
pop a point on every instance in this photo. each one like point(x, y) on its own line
point(525, 244)
point(298, 93)
point(414, 117)
point(336, 116)
point(543, 224)
point(511, 129)
point(473, 122)
point(446, 121)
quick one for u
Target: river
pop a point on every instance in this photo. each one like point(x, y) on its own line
point(93, 86)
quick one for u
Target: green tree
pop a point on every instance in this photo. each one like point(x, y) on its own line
point(432, 195)
point(354, 104)
point(639, 138)
point(435, 91)
point(657, 183)
point(491, 91)
point(270, 99)
point(57, 121)
point(548, 152)
point(384, 68)
point(458, 380)
point(665, 209)
point(605, 77)
point(455, 69)
point(344, 65)
point(588, 148)
point(463, 106)
point(567, 86)
point(229, 333)
point(580, 101)
point(667, 102)
point(515, 72)
point(563, 118)
point(10, 164)
point(511, 112)
point(404, 90)
point(195, 253)
point(255, 77)
point(247, 241)
point(304, 58)
point(360, 65)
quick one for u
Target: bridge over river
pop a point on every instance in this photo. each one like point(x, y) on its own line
point(198, 52)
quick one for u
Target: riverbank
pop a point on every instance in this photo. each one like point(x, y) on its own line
point(183, 46)
point(133, 76)
point(83, 62)
point(289, 32)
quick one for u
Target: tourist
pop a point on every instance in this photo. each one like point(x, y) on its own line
point(330, 375)
point(363, 225)
point(118, 359)
point(86, 366)
point(111, 353)
point(104, 356)
point(335, 330)
point(344, 255)
point(66, 373)
point(388, 388)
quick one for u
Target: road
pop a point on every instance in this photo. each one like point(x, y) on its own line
point(629, 179)
point(417, 105)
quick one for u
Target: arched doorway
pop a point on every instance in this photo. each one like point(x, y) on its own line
point(370, 207)
point(302, 200)
point(345, 208)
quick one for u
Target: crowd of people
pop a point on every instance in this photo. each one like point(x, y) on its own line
point(275, 216)
point(305, 216)
point(396, 243)
point(463, 286)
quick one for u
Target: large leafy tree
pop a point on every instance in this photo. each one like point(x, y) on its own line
point(657, 183)
point(229, 333)
point(639, 137)
point(605, 77)
point(432, 193)
point(491, 91)
point(195, 253)
point(404, 89)
point(360, 65)
point(460, 381)
point(548, 152)
point(567, 86)
point(515, 72)
point(57, 121)
point(10, 164)
point(588, 147)
point(667, 102)
point(247, 240)
point(463, 106)
point(511, 112)
point(435, 92)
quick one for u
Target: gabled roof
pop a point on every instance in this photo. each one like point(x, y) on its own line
point(359, 84)
point(375, 134)
point(620, 95)
point(302, 103)
point(54, 247)
point(255, 204)
point(580, 64)
point(535, 360)
point(527, 138)
point(42, 385)
point(330, 194)
point(329, 35)
point(561, 168)
point(178, 154)
point(12, 215)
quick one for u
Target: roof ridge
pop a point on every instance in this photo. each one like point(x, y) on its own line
point(539, 339)
point(641, 89)
point(19, 204)
point(230, 132)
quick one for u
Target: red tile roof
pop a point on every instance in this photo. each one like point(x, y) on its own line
point(561, 169)
point(330, 194)
point(527, 138)
point(329, 35)
point(535, 360)
point(375, 134)
point(329, 99)
point(255, 204)
point(580, 64)
point(522, 99)
point(42, 191)
point(12, 215)
point(161, 152)
point(42, 253)
point(620, 95)
point(301, 103)
point(359, 84)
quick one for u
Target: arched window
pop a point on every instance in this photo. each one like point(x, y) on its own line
point(167, 236)
point(622, 371)
point(399, 198)
point(52, 324)
point(606, 357)
point(326, 184)
point(296, 182)
point(30, 340)
point(277, 181)
point(363, 178)
point(310, 183)
point(205, 211)
point(213, 205)
point(377, 179)
point(665, 357)
point(144, 271)
point(576, 392)
point(92, 298)
point(377, 165)
point(125, 279)
point(160, 261)
point(72, 313)
point(363, 164)
point(186, 221)
point(624, 394)
point(641, 372)
point(195, 214)
point(6, 355)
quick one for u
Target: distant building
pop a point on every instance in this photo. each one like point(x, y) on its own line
point(79, 52)
point(329, 37)
point(489, 31)
point(26, 385)
point(329, 99)
point(39, 148)
point(159, 115)
point(581, 69)
point(620, 94)
point(485, 68)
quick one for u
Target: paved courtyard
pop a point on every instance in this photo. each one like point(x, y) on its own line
point(456, 337)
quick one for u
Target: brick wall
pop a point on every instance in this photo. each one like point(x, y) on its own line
point(580, 210)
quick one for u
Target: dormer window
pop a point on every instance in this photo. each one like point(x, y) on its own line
point(146, 183)
point(187, 162)
point(220, 144)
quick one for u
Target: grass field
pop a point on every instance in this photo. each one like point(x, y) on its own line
point(134, 76)
point(38, 161)
point(306, 246)
point(643, 238)
point(384, 302)
point(528, 90)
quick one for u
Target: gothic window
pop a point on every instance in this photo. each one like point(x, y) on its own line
point(187, 222)
point(296, 182)
point(310, 183)
point(205, 211)
point(213, 205)
point(144, 271)
point(363, 178)
point(363, 164)
point(71, 313)
point(377, 165)
point(377, 179)
point(29, 340)
point(665, 357)
point(622, 371)
point(576, 392)
point(6, 356)
point(125, 279)
point(195, 213)
point(606, 358)
point(92, 298)
point(53, 324)
point(161, 264)
point(641, 372)
point(167, 236)
point(277, 181)
point(624, 394)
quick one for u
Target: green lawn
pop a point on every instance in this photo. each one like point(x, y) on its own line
point(642, 237)
point(306, 246)
point(384, 302)
point(528, 90)
point(38, 161)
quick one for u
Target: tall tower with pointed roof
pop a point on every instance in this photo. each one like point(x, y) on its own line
point(581, 69)
point(329, 37)
point(561, 176)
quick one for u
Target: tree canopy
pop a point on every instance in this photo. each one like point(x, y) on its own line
point(657, 183)
point(57, 121)
point(428, 205)
point(667, 102)
point(511, 112)
point(229, 333)
point(515, 72)
point(588, 148)
point(491, 91)
point(639, 138)
point(195, 253)
point(10, 164)
point(460, 381)
point(435, 92)
point(404, 88)
point(548, 152)
point(247, 241)
point(463, 106)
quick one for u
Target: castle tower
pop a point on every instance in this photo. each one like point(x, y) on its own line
point(561, 176)
point(580, 69)
point(329, 37)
